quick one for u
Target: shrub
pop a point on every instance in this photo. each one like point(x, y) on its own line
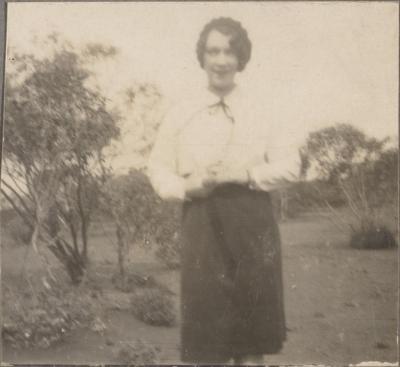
point(41, 319)
point(373, 238)
point(133, 281)
point(137, 353)
point(140, 217)
point(167, 234)
point(169, 253)
point(154, 306)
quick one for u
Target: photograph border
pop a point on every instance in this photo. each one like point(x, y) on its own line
point(3, 37)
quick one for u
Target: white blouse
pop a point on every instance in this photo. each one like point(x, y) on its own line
point(200, 132)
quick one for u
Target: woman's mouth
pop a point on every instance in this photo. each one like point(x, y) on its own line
point(221, 73)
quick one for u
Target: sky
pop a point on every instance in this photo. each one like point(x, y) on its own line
point(321, 63)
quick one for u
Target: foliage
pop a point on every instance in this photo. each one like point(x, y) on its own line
point(308, 195)
point(373, 238)
point(381, 179)
point(128, 200)
point(56, 129)
point(304, 196)
point(44, 318)
point(360, 171)
point(137, 353)
point(333, 151)
point(154, 306)
point(131, 201)
point(144, 104)
point(169, 252)
point(133, 281)
point(167, 234)
point(139, 215)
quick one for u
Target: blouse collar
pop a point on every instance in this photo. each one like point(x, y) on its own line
point(232, 99)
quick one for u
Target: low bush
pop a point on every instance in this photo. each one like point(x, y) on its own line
point(167, 236)
point(373, 238)
point(169, 253)
point(43, 318)
point(154, 306)
point(137, 353)
point(132, 281)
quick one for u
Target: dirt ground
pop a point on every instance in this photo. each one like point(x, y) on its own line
point(341, 303)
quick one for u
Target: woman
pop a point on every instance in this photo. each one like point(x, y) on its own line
point(218, 154)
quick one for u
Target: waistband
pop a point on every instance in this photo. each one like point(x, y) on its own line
point(233, 190)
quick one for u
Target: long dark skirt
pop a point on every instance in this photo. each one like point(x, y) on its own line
point(232, 294)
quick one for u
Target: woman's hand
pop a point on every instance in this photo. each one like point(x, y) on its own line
point(197, 185)
point(221, 173)
point(200, 184)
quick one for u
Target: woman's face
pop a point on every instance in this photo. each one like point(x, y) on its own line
point(220, 62)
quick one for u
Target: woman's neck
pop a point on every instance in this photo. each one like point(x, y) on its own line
point(221, 92)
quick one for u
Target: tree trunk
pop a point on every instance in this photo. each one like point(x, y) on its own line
point(72, 262)
point(121, 250)
point(84, 220)
point(283, 205)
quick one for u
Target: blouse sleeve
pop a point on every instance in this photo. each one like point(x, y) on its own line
point(162, 162)
point(280, 166)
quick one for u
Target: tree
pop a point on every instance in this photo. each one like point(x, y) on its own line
point(360, 169)
point(55, 132)
point(383, 178)
point(138, 214)
point(142, 107)
point(333, 151)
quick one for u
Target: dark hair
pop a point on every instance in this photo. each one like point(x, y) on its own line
point(240, 41)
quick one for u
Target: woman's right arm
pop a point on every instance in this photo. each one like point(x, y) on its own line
point(162, 165)
point(162, 162)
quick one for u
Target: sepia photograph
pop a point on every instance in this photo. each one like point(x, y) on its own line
point(200, 183)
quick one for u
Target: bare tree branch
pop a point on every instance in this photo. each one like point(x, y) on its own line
point(18, 196)
point(23, 215)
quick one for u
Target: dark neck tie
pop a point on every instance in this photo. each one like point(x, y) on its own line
point(225, 108)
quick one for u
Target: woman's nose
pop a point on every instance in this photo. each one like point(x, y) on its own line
point(221, 59)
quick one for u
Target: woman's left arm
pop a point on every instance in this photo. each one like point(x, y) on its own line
point(280, 165)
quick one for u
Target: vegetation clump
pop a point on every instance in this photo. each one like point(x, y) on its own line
point(168, 253)
point(43, 318)
point(137, 353)
point(362, 173)
point(373, 238)
point(130, 282)
point(154, 306)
